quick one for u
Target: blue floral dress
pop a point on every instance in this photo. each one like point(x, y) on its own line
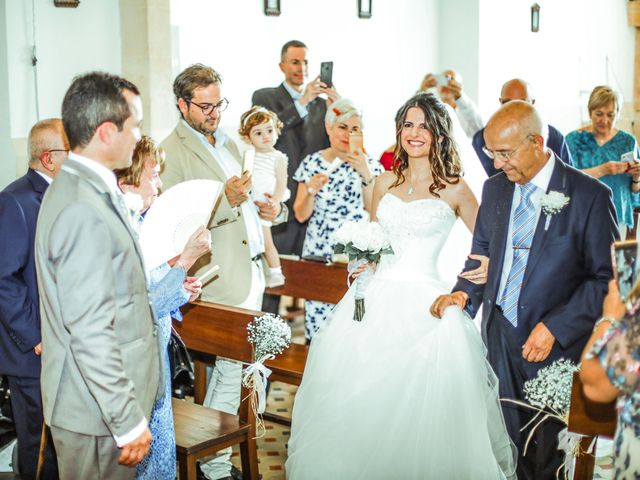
point(587, 153)
point(619, 353)
point(167, 294)
point(339, 201)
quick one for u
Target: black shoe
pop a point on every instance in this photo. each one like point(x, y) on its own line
point(235, 473)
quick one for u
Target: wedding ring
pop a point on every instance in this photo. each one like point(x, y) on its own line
point(311, 190)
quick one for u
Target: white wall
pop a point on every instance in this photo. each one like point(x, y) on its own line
point(563, 61)
point(69, 41)
point(7, 157)
point(378, 62)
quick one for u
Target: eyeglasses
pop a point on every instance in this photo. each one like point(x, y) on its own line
point(504, 154)
point(208, 108)
point(66, 151)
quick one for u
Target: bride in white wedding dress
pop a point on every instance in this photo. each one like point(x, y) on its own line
point(401, 394)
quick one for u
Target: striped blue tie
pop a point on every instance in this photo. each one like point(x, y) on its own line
point(524, 223)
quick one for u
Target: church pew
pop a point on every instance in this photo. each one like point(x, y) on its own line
point(312, 280)
point(590, 419)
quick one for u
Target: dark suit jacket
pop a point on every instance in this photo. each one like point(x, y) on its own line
point(569, 265)
point(555, 142)
point(299, 138)
point(19, 306)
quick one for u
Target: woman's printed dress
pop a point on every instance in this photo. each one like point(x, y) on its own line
point(341, 200)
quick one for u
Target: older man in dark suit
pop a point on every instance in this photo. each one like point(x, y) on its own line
point(20, 345)
point(547, 229)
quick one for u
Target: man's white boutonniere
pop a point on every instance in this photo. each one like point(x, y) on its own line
point(134, 204)
point(553, 202)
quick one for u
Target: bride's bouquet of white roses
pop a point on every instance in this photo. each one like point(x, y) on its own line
point(363, 242)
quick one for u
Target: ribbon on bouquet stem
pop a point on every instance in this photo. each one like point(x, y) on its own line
point(361, 282)
point(254, 377)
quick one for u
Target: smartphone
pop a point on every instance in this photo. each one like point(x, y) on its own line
point(625, 269)
point(326, 73)
point(441, 79)
point(248, 159)
point(356, 141)
point(628, 157)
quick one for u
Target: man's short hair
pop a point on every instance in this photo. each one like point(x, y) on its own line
point(192, 77)
point(288, 45)
point(40, 138)
point(93, 99)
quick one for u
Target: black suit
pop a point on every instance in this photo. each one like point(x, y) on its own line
point(299, 138)
point(564, 284)
point(20, 317)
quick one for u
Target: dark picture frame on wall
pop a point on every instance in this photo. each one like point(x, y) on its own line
point(272, 8)
point(364, 8)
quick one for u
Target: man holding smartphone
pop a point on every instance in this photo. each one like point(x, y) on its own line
point(302, 111)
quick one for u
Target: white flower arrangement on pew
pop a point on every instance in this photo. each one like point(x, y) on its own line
point(270, 335)
point(549, 393)
point(363, 242)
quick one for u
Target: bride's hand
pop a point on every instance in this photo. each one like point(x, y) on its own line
point(361, 269)
point(478, 275)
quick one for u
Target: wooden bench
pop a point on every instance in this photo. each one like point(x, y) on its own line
point(210, 330)
point(312, 280)
point(590, 419)
point(202, 431)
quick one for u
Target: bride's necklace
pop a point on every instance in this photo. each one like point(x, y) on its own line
point(410, 191)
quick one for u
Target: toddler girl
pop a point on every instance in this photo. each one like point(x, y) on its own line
point(260, 127)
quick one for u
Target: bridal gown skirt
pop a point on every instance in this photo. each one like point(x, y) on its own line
point(400, 395)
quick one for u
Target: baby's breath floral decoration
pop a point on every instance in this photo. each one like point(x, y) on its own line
point(549, 393)
point(270, 335)
point(553, 202)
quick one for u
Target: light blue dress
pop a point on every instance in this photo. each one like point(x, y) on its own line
point(587, 153)
point(167, 295)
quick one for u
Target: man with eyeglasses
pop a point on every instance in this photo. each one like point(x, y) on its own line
point(20, 342)
point(518, 89)
point(198, 149)
point(547, 229)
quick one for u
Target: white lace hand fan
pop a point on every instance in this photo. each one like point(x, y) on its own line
point(174, 216)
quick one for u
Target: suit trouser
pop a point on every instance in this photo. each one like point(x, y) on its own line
point(223, 391)
point(85, 456)
point(505, 356)
point(26, 404)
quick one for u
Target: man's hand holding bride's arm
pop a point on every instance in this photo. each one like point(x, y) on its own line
point(477, 275)
point(458, 298)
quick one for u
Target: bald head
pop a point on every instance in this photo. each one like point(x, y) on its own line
point(516, 89)
point(47, 146)
point(516, 136)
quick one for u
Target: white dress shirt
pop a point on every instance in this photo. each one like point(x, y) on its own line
point(295, 96)
point(541, 180)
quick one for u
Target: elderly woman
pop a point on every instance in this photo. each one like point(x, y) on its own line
point(608, 154)
point(335, 186)
point(611, 370)
point(170, 289)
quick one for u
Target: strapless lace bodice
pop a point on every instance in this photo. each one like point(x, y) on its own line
point(417, 231)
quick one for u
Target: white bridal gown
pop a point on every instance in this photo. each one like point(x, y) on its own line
point(400, 395)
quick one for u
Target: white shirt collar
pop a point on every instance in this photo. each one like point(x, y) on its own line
point(107, 176)
point(292, 91)
point(543, 177)
point(219, 135)
point(47, 178)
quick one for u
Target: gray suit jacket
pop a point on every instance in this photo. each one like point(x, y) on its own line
point(101, 364)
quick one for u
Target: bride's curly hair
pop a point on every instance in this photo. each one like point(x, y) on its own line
point(444, 158)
